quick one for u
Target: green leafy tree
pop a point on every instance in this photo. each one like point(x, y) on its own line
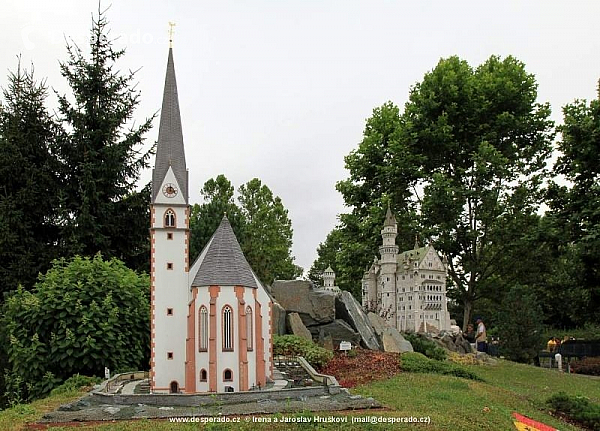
point(267, 237)
point(29, 182)
point(467, 153)
point(101, 155)
point(218, 199)
point(519, 325)
point(575, 208)
point(82, 315)
point(484, 141)
point(260, 222)
point(373, 183)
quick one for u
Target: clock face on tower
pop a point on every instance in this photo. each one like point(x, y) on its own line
point(169, 190)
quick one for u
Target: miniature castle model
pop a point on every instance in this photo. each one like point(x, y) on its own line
point(408, 289)
point(329, 280)
point(211, 323)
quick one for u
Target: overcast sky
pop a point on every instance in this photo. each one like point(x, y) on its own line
point(280, 90)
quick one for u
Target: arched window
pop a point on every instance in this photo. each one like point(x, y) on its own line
point(227, 328)
point(227, 375)
point(203, 329)
point(174, 386)
point(203, 375)
point(249, 330)
point(169, 218)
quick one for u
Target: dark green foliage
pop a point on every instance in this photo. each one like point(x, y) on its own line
point(414, 362)
point(579, 409)
point(292, 345)
point(75, 383)
point(589, 366)
point(575, 210)
point(82, 315)
point(260, 222)
point(519, 325)
point(29, 182)
point(426, 347)
point(100, 152)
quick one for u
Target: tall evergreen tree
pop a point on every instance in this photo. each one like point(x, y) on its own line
point(101, 155)
point(29, 182)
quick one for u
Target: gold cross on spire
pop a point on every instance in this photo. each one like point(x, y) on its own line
point(171, 25)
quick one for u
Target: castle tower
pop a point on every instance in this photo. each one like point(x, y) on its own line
point(328, 278)
point(169, 238)
point(388, 264)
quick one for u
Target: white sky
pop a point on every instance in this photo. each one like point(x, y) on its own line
point(280, 90)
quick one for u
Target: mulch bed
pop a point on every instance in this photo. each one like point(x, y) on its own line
point(362, 366)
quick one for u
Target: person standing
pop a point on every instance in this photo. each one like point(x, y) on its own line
point(481, 338)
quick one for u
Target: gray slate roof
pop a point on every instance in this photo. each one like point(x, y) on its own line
point(390, 220)
point(169, 149)
point(224, 263)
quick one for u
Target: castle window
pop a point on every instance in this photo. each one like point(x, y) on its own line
point(203, 329)
point(227, 329)
point(169, 235)
point(430, 264)
point(227, 375)
point(203, 375)
point(169, 311)
point(388, 279)
point(249, 330)
point(169, 218)
point(169, 265)
point(169, 355)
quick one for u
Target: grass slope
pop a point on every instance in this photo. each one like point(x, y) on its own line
point(452, 403)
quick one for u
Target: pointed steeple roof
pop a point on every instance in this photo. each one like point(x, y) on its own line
point(169, 149)
point(390, 220)
point(223, 263)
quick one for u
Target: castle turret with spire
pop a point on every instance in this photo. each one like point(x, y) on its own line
point(407, 289)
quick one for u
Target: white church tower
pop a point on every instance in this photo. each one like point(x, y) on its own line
point(169, 241)
point(210, 321)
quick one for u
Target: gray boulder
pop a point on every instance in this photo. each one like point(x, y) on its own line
point(296, 327)
point(394, 342)
point(448, 342)
point(314, 306)
point(279, 322)
point(348, 308)
point(338, 331)
point(377, 323)
point(462, 345)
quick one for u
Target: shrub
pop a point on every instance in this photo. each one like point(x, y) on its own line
point(81, 316)
point(426, 347)
point(414, 362)
point(75, 383)
point(292, 345)
point(578, 409)
point(589, 366)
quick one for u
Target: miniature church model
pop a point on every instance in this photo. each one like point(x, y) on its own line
point(211, 321)
point(407, 289)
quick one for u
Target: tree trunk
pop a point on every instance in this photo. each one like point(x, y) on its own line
point(468, 309)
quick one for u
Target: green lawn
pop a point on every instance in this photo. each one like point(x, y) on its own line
point(451, 403)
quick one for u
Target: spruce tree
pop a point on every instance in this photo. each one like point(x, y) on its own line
point(29, 182)
point(101, 152)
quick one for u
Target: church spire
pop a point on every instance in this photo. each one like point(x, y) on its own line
point(169, 149)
